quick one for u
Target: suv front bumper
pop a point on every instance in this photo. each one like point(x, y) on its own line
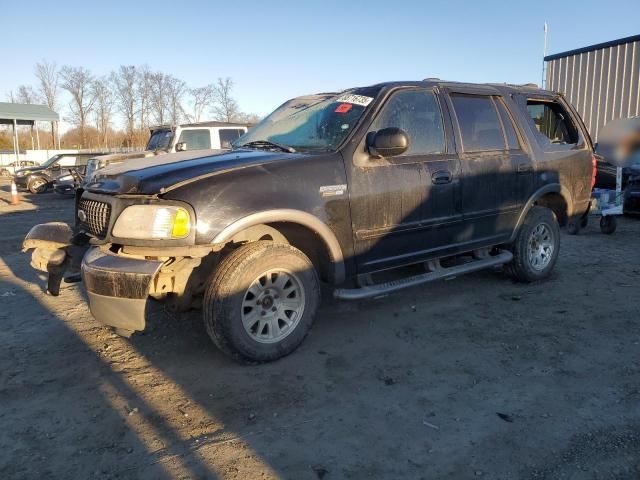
point(118, 288)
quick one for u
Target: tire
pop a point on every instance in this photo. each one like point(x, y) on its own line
point(249, 287)
point(608, 224)
point(536, 248)
point(37, 185)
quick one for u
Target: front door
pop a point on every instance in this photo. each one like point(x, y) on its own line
point(402, 207)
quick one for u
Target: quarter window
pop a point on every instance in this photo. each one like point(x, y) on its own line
point(196, 139)
point(479, 124)
point(552, 122)
point(417, 113)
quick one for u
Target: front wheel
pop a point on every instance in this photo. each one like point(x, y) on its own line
point(536, 248)
point(37, 185)
point(261, 301)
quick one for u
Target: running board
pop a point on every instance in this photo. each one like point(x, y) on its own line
point(384, 288)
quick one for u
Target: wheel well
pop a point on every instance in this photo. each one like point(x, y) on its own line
point(296, 235)
point(557, 204)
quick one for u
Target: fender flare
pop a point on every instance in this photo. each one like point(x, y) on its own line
point(293, 216)
point(549, 188)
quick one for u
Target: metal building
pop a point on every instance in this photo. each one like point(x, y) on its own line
point(601, 81)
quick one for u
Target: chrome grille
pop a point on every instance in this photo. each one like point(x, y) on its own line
point(96, 216)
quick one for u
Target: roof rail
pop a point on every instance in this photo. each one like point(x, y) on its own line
point(431, 79)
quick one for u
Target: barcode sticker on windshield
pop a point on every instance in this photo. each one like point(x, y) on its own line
point(355, 99)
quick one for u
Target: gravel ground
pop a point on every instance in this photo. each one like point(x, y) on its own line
point(475, 377)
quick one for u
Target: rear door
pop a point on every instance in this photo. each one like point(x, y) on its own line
point(495, 168)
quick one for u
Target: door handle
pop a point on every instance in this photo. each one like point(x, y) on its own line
point(441, 177)
point(524, 168)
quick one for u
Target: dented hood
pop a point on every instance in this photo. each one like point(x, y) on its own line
point(155, 175)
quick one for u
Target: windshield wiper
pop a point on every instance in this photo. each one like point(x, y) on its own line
point(267, 145)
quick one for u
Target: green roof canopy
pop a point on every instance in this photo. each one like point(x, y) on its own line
point(26, 114)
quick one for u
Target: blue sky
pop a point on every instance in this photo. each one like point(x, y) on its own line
point(275, 49)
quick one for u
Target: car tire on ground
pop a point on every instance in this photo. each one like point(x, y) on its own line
point(608, 224)
point(536, 248)
point(261, 301)
point(37, 185)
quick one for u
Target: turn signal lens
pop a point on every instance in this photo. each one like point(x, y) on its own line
point(181, 224)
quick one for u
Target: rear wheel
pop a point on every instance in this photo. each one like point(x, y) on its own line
point(37, 185)
point(536, 248)
point(261, 301)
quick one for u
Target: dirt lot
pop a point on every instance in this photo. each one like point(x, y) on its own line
point(475, 377)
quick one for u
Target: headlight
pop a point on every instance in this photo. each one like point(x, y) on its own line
point(152, 222)
point(22, 173)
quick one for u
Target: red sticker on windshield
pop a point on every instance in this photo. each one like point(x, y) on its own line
point(343, 108)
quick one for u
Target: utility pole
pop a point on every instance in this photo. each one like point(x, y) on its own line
point(544, 54)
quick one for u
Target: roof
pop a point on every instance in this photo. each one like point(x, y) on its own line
point(22, 111)
point(488, 88)
point(202, 124)
point(591, 48)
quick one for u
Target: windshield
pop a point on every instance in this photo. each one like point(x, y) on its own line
point(314, 122)
point(51, 161)
point(160, 140)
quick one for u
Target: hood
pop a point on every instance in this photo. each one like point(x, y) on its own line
point(121, 157)
point(154, 175)
point(29, 169)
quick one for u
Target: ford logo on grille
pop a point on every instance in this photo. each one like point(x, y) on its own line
point(82, 216)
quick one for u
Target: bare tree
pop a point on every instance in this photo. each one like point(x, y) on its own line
point(175, 89)
point(225, 107)
point(159, 97)
point(26, 94)
point(103, 108)
point(78, 81)
point(201, 98)
point(124, 82)
point(144, 96)
point(47, 75)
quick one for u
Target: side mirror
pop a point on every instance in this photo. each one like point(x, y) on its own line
point(181, 146)
point(55, 166)
point(387, 142)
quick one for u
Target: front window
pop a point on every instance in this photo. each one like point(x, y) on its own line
point(160, 139)
point(314, 122)
point(51, 161)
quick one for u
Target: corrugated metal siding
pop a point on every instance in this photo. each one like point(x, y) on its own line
point(602, 84)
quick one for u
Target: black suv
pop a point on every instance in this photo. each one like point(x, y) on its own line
point(355, 189)
point(39, 179)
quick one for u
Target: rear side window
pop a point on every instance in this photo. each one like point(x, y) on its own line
point(509, 130)
point(196, 139)
point(479, 124)
point(418, 114)
point(552, 122)
point(228, 135)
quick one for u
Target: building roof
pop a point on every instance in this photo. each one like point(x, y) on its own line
point(591, 48)
point(24, 112)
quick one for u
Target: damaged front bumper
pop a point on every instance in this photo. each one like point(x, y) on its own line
point(117, 286)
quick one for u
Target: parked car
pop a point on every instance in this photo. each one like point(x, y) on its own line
point(10, 169)
point(347, 188)
point(178, 138)
point(39, 179)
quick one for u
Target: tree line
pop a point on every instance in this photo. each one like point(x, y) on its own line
point(117, 109)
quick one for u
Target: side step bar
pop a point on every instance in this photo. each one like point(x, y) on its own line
point(384, 288)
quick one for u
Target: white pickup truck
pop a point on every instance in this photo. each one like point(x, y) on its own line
point(177, 138)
